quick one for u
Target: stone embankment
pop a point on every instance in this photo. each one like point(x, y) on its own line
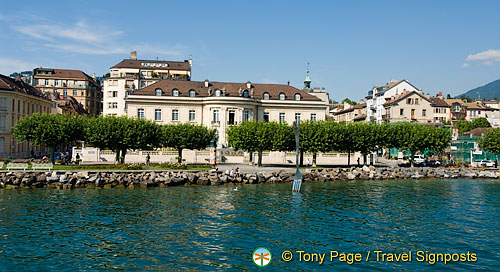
point(144, 179)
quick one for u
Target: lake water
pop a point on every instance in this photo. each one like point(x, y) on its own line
point(217, 229)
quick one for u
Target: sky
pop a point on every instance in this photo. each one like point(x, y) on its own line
point(438, 46)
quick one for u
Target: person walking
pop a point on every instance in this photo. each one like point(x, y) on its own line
point(148, 158)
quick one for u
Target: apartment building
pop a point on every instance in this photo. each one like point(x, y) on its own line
point(63, 83)
point(18, 99)
point(133, 74)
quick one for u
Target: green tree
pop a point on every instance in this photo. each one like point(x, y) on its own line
point(418, 138)
point(186, 136)
point(349, 101)
point(51, 130)
point(121, 133)
point(313, 137)
point(252, 136)
point(464, 126)
point(491, 141)
point(466, 98)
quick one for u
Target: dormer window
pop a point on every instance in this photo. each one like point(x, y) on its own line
point(245, 93)
point(158, 92)
point(297, 96)
point(218, 92)
point(282, 96)
point(175, 92)
point(266, 96)
point(192, 93)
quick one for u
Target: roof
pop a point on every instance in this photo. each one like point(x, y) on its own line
point(71, 105)
point(230, 89)
point(405, 95)
point(19, 86)
point(475, 106)
point(438, 102)
point(388, 86)
point(477, 132)
point(65, 74)
point(450, 101)
point(352, 108)
point(154, 64)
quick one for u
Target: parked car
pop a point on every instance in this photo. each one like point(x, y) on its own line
point(486, 163)
point(419, 159)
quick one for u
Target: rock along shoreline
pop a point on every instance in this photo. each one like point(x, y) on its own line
point(145, 179)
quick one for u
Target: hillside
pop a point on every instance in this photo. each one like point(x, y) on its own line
point(488, 91)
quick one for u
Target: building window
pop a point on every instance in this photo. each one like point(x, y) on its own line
point(46, 82)
point(65, 92)
point(56, 82)
point(3, 104)
point(158, 92)
point(246, 115)
point(416, 101)
point(192, 115)
point(83, 93)
point(401, 111)
point(266, 96)
point(175, 115)
point(157, 114)
point(424, 112)
point(266, 117)
point(218, 92)
point(245, 93)
point(282, 117)
point(282, 96)
point(140, 113)
point(2, 122)
point(112, 105)
point(297, 117)
point(175, 92)
point(297, 96)
point(478, 112)
point(313, 116)
point(412, 113)
point(192, 93)
point(75, 93)
point(216, 116)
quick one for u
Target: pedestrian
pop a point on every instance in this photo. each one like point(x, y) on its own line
point(231, 174)
point(237, 171)
point(308, 163)
point(496, 163)
point(358, 161)
point(148, 158)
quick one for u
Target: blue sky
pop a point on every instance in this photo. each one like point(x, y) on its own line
point(448, 46)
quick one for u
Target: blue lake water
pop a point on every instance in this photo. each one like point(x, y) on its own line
point(217, 229)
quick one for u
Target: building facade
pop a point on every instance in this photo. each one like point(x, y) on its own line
point(379, 95)
point(350, 113)
point(220, 104)
point(63, 83)
point(133, 74)
point(18, 99)
point(409, 107)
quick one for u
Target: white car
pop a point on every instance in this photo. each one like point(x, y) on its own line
point(486, 163)
point(419, 159)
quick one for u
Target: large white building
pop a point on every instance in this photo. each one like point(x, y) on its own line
point(221, 104)
point(379, 95)
point(133, 74)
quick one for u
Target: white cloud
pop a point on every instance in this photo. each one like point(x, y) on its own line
point(465, 64)
point(8, 66)
point(488, 56)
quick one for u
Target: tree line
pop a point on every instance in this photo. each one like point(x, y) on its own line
point(329, 136)
point(114, 133)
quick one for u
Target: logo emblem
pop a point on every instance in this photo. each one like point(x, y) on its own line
point(261, 256)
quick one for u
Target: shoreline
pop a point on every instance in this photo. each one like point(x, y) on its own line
point(168, 178)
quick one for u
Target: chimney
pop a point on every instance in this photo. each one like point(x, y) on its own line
point(206, 83)
point(289, 83)
point(440, 95)
point(190, 61)
point(93, 75)
point(249, 85)
point(133, 55)
point(362, 101)
point(428, 96)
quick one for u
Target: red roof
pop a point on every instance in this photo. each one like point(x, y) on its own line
point(18, 85)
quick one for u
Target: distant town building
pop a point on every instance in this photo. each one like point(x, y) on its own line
point(63, 83)
point(350, 113)
point(68, 105)
point(441, 109)
point(18, 99)
point(409, 107)
point(318, 92)
point(133, 74)
point(25, 76)
point(461, 110)
point(379, 95)
point(220, 104)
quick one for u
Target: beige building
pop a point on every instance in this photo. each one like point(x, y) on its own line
point(220, 104)
point(133, 74)
point(441, 110)
point(409, 107)
point(350, 113)
point(18, 99)
point(63, 83)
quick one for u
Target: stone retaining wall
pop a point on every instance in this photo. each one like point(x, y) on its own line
point(127, 179)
